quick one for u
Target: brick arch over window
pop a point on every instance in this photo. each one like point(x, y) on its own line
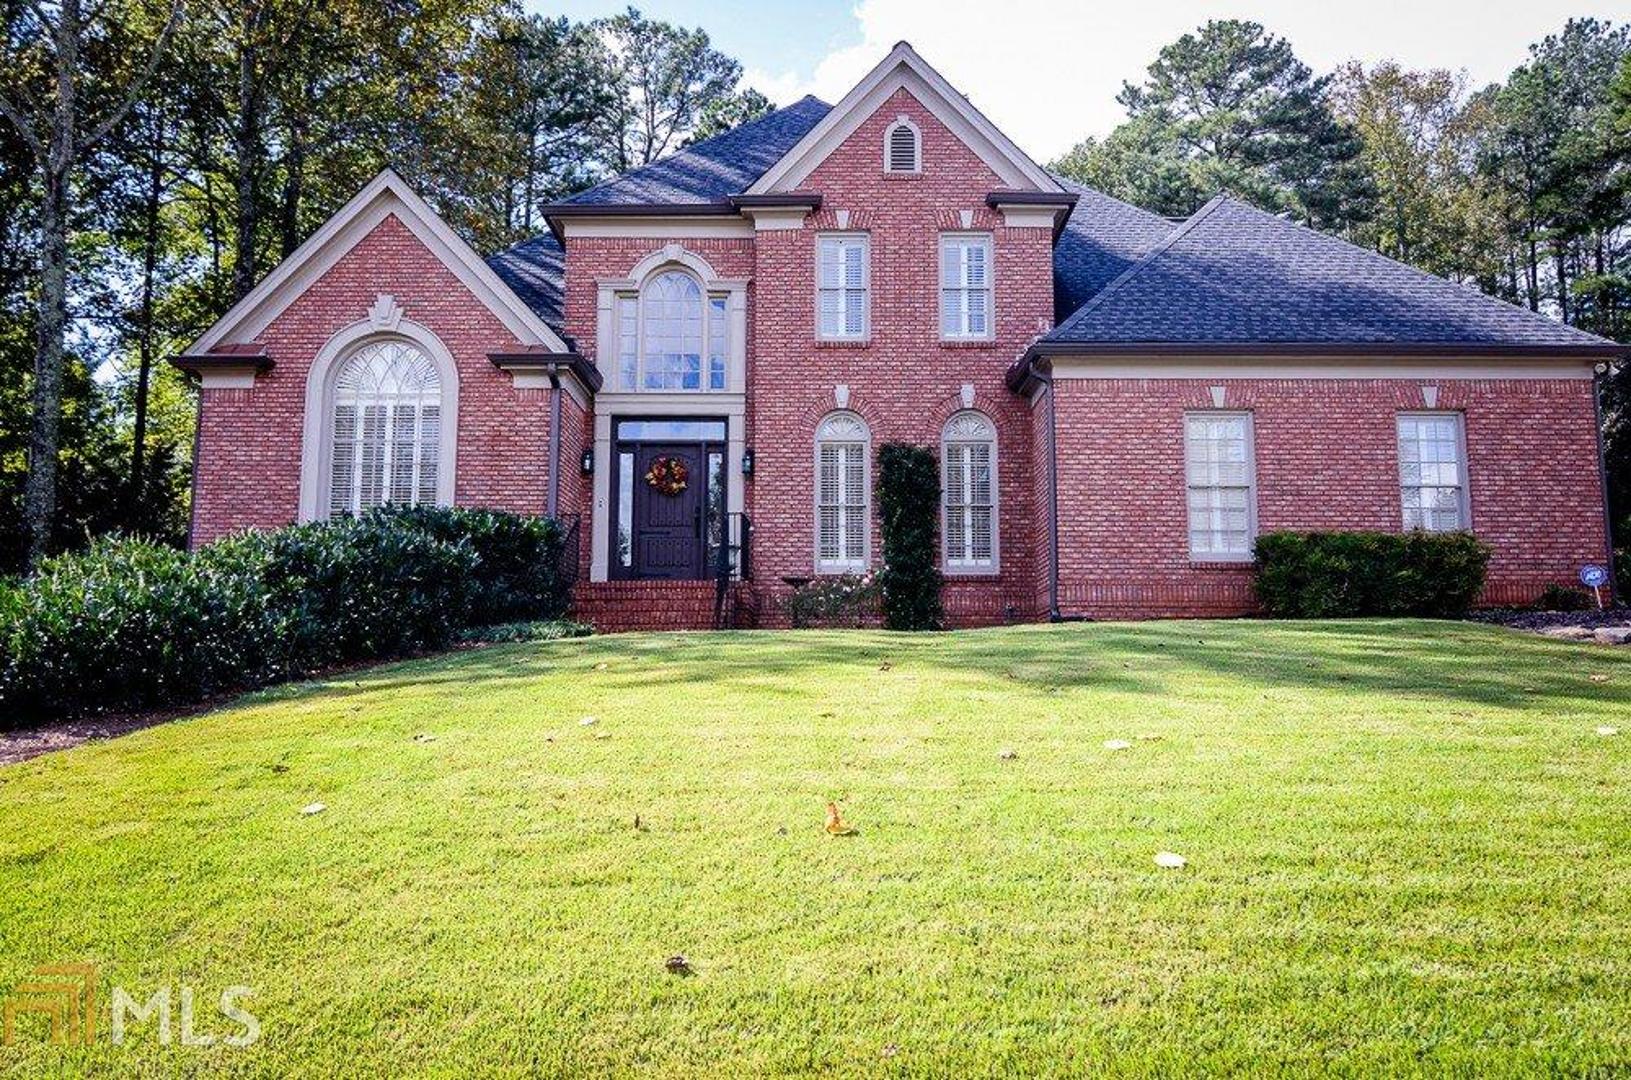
point(403, 378)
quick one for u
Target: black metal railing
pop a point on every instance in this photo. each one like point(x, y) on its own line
point(731, 560)
point(571, 549)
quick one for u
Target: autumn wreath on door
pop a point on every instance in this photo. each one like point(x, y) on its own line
point(669, 475)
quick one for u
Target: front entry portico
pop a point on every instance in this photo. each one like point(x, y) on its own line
point(667, 498)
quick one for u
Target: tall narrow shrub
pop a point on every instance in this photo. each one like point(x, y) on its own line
point(909, 505)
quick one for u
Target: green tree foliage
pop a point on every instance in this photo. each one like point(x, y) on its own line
point(1229, 107)
point(909, 511)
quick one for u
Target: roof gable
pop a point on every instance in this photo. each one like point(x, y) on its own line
point(1233, 277)
point(904, 68)
point(387, 195)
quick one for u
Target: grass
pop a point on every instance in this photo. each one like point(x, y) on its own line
point(1408, 852)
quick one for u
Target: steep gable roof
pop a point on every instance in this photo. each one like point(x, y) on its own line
point(535, 270)
point(1102, 238)
point(903, 67)
point(711, 170)
point(1233, 277)
point(387, 195)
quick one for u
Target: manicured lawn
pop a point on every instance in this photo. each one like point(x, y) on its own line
point(1409, 851)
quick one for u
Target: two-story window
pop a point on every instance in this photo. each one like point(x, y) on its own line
point(671, 335)
point(965, 286)
point(844, 280)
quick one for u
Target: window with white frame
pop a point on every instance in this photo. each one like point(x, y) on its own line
point(902, 148)
point(842, 449)
point(843, 280)
point(1219, 472)
point(965, 286)
point(969, 481)
point(671, 335)
point(385, 430)
point(1433, 471)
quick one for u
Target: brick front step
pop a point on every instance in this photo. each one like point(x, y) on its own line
point(612, 606)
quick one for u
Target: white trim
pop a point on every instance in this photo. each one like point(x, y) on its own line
point(988, 242)
point(1212, 369)
point(385, 196)
point(776, 218)
point(1029, 217)
point(1251, 488)
point(672, 255)
point(659, 228)
point(315, 442)
point(224, 377)
point(537, 377)
point(903, 67)
point(903, 121)
point(864, 240)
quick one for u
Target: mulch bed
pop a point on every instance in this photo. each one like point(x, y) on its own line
point(1525, 619)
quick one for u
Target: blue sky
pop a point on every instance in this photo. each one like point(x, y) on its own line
point(1047, 72)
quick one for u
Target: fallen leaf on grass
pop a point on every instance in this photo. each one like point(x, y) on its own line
point(587, 721)
point(313, 808)
point(885, 666)
point(603, 734)
point(836, 825)
point(890, 1051)
point(1116, 744)
point(601, 666)
point(1149, 738)
point(1599, 678)
point(424, 737)
point(1008, 753)
point(1170, 860)
point(1606, 730)
point(678, 965)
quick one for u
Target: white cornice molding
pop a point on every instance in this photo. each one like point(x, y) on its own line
point(385, 196)
point(903, 67)
point(1381, 367)
point(658, 227)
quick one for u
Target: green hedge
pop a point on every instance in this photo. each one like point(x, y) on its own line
point(132, 625)
point(909, 510)
point(1316, 575)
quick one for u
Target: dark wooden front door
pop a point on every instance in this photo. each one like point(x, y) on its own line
point(668, 529)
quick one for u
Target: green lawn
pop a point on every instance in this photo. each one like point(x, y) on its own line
point(1409, 851)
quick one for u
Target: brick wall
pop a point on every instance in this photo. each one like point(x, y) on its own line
point(250, 440)
point(1326, 454)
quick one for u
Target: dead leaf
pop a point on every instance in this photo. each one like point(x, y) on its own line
point(637, 826)
point(1599, 678)
point(587, 721)
point(885, 666)
point(424, 736)
point(313, 808)
point(1008, 753)
point(1117, 744)
point(678, 965)
point(603, 734)
point(1605, 730)
point(1170, 860)
point(836, 825)
point(601, 666)
point(890, 1050)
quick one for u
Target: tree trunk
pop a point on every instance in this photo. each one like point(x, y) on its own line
point(1562, 279)
point(144, 372)
point(294, 187)
point(246, 148)
point(1532, 270)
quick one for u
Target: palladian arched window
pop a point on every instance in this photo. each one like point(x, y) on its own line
point(385, 429)
point(843, 450)
point(969, 461)
point(671, 335)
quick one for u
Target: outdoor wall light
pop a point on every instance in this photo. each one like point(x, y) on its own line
point(587, 464)
point(747, 462)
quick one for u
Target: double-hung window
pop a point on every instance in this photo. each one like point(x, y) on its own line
point(1433, 471)
point(1220, 472)
point(965, 286)
point(843, 280)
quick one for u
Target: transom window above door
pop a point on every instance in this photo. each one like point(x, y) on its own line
point(672, 335)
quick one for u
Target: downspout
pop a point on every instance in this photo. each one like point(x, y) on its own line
point(1046, 379)
point(554, 501)
point(1598, 378)
point(198, 435)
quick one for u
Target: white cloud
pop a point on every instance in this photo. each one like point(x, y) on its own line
point(1047, 73)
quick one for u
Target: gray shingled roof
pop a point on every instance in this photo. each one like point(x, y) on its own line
point(1234, 275)
point(536, 271)
point(715, 168)
point(1102, 238)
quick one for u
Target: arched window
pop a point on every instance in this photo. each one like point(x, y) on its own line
point(843, 492)
point(671, 336)
point(385, 429)
point(969, 463)
point(902, 147)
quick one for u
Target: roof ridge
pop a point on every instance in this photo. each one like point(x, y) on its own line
point(1072, 182)
point(1143, 262)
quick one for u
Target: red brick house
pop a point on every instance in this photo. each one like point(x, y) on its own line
point(698, 360)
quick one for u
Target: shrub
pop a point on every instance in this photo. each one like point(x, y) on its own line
point(1557, 597)
point(909, 507)
point(131, 625)
point(1328, 575)
point(539, 630)
point(845, 600)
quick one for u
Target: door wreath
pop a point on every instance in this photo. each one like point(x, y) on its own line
point(669, 475)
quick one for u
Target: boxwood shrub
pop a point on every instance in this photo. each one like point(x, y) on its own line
point(1315, 575)
point(131, 625)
